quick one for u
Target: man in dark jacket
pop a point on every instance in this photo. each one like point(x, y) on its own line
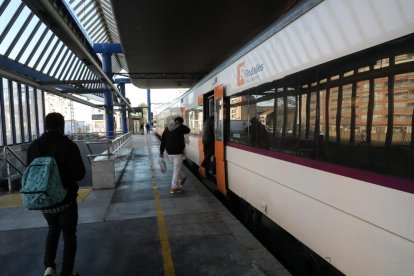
point(62, 217)
point(173, 141)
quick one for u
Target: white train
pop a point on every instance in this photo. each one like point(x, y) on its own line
point(329, 156)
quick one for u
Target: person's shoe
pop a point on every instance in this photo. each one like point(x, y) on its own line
point(183, 180)
point(50, 271)
point(176, 190)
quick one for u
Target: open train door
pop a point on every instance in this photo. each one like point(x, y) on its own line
point(219, 117)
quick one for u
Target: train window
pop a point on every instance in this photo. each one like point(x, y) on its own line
point(404, 58)
point(382, 63)
point(403, 108)
point(333, 109)
point(335, 77)
point(194, 118)
point(239, 118)
point(362, 120)
point(322, 113)
point(218, 119)
point(380, 117)
point(361, 111)
point(349, 73)
point(345, 126)
point(313, 105)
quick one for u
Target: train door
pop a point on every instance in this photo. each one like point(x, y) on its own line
point(219, 129)
point(213, 106)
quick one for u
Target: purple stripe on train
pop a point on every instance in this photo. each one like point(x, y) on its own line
point(371, 177)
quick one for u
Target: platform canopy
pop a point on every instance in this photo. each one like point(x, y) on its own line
point(49, 44)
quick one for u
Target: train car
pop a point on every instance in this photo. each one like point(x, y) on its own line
point(314, 130)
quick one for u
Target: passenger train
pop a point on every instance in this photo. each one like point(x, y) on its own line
point(314, 130)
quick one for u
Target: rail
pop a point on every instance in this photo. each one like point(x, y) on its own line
point(112, 146)
point(8, 153)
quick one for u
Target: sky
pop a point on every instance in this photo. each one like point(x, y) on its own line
point(159, 97)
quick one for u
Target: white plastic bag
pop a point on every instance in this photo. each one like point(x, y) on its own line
point(160, 165)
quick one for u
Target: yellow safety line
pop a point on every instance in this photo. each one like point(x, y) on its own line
point(162, 230)
point(15, 199)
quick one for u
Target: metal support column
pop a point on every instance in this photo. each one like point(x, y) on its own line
point(149, 105)
point(123, 110)
point(109, 106)
point(107, 49)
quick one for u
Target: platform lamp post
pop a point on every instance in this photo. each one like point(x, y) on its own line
point(107, 49)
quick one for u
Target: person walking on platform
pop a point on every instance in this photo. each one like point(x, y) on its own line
point(148, 128)
point(172, 140)
point(62, 217)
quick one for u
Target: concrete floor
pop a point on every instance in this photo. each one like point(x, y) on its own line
point(137, 227)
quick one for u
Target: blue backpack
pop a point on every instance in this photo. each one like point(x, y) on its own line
point(41, 184)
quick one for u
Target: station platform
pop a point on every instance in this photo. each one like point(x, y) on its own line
point(139, 228)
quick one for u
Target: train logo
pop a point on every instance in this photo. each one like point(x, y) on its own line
point(240, 74)
point(248, 75)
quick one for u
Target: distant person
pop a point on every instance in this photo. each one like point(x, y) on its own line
point(258, 136)
point(208, 144)
point(172, 140)
point(141, 128)
point(62, 217)
point(148, 128)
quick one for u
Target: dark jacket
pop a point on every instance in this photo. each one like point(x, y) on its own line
point(173, 138)
point(67, 156)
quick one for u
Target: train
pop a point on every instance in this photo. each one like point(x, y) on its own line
point(313, 124)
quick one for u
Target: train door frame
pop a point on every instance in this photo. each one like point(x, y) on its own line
point(207, 102)
point(220, 123)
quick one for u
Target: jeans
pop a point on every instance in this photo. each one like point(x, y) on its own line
point(66, 223)
point(177, 164)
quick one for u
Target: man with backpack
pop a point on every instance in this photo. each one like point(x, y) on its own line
point(63, 216)
point(173, 141)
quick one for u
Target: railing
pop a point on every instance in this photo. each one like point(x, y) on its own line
point(14, 162)
point(112, 146)
point(8, 155)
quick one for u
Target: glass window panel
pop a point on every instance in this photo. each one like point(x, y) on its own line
point(261, 112)
point(361, 111)
point(218, 118)
point(312, 114)
point(291, 112)
point(32, 112)
point(322, 112)
point(40, 109)
point(404, 58)
point(279, 117)
point(380, 115)
point(403, 109)
point(346, 113)
point(382, 63)
point(303, 116)
point(239, 119)
point(17, 113)
point(333, 110)
point(24, 113)
point(6, 97)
